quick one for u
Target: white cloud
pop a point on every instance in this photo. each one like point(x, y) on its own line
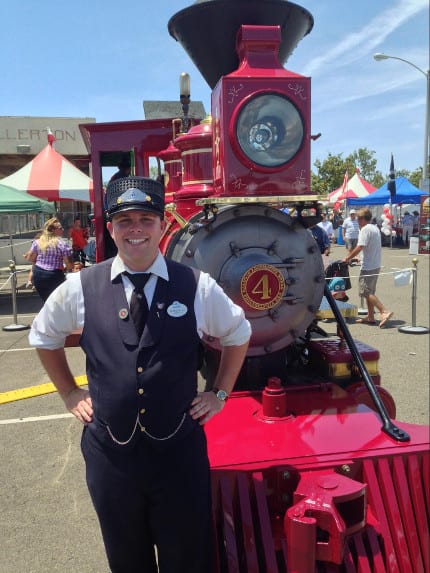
point(351, 48)
point(396, 110)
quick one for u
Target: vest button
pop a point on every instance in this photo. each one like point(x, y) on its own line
point(140, 369)
point(141, 391)
point(142, 411)
point(142, 428)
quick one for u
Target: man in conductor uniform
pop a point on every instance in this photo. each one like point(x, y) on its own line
point(143, 443)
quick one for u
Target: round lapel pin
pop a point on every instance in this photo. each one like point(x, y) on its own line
point(123, 313)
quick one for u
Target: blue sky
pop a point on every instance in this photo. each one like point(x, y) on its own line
point(99, 58)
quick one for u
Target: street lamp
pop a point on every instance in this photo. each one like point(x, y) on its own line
point(425, 181)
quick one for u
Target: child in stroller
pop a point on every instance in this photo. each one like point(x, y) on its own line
point(338, 273)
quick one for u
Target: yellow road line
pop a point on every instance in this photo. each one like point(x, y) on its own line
point(31, 391)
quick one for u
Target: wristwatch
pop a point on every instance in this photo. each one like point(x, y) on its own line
point(220, 394)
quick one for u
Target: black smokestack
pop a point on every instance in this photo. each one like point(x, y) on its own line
point(207, 30)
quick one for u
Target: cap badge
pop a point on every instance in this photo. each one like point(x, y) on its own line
point(177, 309)
point(133, 195)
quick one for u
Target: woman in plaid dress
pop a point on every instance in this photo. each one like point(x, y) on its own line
point(50, 255)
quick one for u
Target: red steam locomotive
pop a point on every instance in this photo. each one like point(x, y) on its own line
point(310, 473)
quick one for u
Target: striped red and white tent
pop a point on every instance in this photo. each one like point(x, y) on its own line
point(52, 177)
point(352, 188)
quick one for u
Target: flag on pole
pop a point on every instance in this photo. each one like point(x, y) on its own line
point(391, 185)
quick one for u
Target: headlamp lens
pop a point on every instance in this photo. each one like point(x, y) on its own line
point(269, 130)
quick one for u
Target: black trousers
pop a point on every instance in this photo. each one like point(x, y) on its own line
point(46, 281)
point(146, 497)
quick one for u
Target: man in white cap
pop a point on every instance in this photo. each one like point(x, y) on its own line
point(142, 318)
point(350, 230)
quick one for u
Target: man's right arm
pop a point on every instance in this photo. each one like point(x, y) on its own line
point(61, 314)
point(76, 399)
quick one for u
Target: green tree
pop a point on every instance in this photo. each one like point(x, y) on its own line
point(413, 176)
point(366, 163)
point(416, 176)
point(331, 172)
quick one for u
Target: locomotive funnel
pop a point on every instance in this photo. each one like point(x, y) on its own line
point(207, 30)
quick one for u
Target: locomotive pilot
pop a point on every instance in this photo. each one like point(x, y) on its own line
point(143, 442)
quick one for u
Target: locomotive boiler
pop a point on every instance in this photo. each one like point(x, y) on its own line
point(309, 471)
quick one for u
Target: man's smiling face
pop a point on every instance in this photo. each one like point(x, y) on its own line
point(137, 235)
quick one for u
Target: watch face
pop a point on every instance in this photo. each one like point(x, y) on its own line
point(221, 395)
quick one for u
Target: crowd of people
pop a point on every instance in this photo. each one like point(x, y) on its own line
point(337, 227)
point(363, 241)
point(410, 223)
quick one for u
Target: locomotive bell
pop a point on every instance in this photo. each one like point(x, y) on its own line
point(212, 46)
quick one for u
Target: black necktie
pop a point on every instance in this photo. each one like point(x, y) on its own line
point(138, 304)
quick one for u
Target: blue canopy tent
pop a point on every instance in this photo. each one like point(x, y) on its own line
point(405, 193)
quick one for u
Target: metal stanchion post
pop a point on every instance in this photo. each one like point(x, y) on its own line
point(414, 329)
point(15, 325)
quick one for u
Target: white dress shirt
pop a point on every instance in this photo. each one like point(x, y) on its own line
point(64, 311)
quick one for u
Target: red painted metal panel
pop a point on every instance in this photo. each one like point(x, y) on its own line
point(228, 522)
point(393, 514)
point(407, 513)
point(247, 526)
point(377, 503)
point(302, 439)
point(362, 557)
point(426, 478)
point(252, 500)
point(268, 547)
point(250, 542)
point(414, 474)
point(375, 550)
point(301, 543)
point(348, 562)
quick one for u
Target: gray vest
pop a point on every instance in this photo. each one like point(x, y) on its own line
point(141, 387)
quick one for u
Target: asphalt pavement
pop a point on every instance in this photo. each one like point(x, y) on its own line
point(47, 523)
